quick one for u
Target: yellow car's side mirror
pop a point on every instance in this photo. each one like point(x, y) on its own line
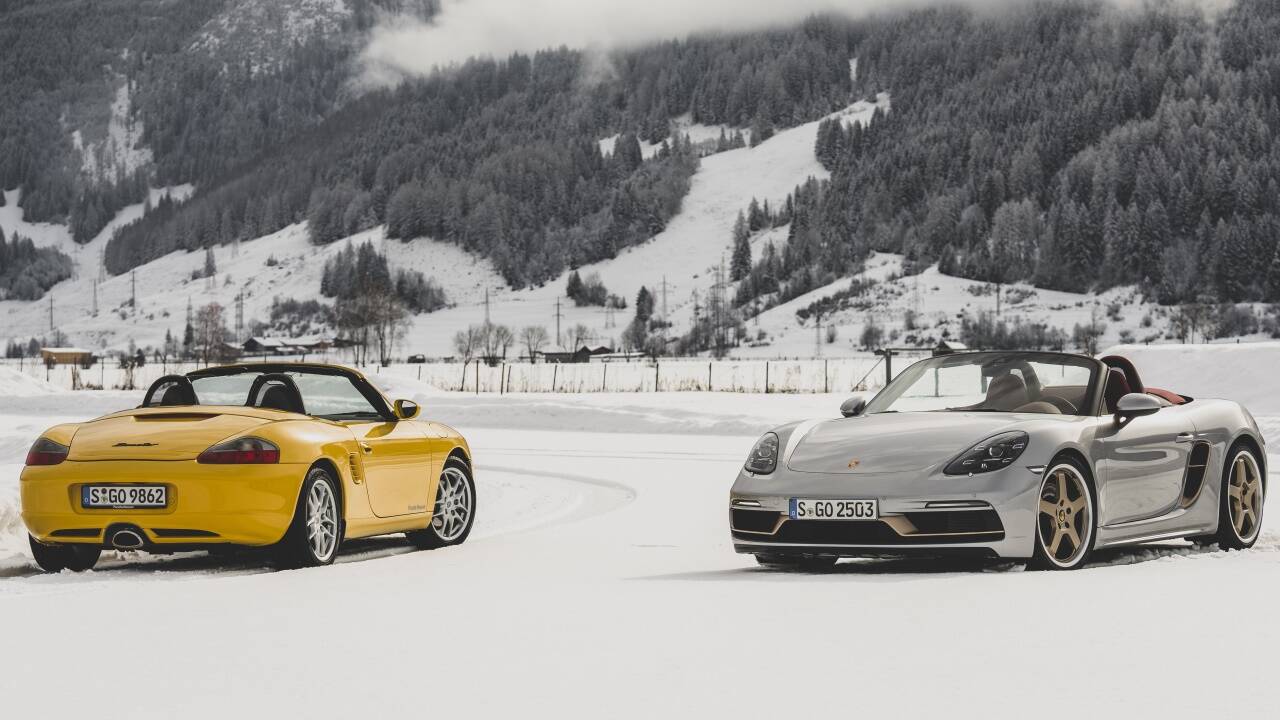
point(407, 409)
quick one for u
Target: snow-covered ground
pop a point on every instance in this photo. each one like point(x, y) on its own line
point(601, 581)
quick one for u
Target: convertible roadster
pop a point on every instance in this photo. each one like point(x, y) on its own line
point(1042, 456)
point(294, 456)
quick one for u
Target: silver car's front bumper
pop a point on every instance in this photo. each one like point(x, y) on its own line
point(992, 514)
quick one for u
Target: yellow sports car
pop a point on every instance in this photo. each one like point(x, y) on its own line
point(291, 455)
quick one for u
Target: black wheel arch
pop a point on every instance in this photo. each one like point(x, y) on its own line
point(460, 455)
point(1247, 439)
point(339, 487)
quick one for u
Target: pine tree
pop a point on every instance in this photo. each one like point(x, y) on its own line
point(573, 288)
point(755, 217)
point(740, 263)
point(210, 267)
point(644, 305)
point(1273, 277)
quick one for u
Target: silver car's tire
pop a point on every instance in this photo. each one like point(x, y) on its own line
point(1066, 524)
point(455, 509)
point(316, 532)
point(1242, 499)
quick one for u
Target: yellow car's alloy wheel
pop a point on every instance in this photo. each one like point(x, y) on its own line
point(322, 521)
point(453, 505)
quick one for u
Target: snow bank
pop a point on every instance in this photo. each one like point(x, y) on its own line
point(1244, 372)
point(18, 384)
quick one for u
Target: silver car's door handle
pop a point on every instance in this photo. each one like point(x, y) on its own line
point(1185, 437)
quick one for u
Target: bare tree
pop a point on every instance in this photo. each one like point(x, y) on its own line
point(352, 321)
point(210, 331)
point(581, 334)
point(387, 318)
point(496, 340)
point(533, 337)
point(466, 342)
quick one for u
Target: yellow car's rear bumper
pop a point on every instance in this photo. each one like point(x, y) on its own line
point(207, 504)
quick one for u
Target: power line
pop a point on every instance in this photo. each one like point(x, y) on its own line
point(559, 315)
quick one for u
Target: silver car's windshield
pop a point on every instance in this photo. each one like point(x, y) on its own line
point(992, 382)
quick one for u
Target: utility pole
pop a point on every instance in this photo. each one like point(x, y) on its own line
point(240, 316)
point(486, 307)
point(95, 296)
point(133, 292)
point(817, 339)
point(50, 313)
point(664, 298)
point(559, 315)
point(696, 309)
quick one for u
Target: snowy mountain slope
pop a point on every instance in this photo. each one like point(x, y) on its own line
point(119, 151)
point(256, 31)
point(165, 285)
point(937, 302)
point(683, 126)
point(685, 253)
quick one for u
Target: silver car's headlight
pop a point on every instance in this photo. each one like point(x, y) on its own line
point(991, 454)
point(764, 456)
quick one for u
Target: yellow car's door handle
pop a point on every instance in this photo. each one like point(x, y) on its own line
point(368, 449)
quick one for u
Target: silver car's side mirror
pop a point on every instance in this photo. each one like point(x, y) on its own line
point(1137, 404)
point(853, 406)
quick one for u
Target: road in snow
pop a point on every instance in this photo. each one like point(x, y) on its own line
point(601, 582)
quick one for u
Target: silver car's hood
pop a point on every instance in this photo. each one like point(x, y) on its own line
point(896, 442)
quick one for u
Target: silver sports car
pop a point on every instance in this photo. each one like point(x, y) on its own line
point(1035, 455)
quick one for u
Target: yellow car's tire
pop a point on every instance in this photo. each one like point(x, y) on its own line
point(315, 534)
point(454, 512)
point(56, 558)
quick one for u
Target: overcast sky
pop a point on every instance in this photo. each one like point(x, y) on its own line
point(467, 28)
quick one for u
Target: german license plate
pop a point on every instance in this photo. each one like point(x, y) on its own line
point(811, 509)
point(124, 496)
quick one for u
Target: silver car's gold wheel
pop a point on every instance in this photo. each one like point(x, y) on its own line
point(1245, 497)
point(1064, 518)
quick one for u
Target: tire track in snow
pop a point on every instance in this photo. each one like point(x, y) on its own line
point(520, 501)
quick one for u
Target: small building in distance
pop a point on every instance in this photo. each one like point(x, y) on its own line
point(259, 345)
point(586, 353)
point(264, 346)
point(66, 356)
